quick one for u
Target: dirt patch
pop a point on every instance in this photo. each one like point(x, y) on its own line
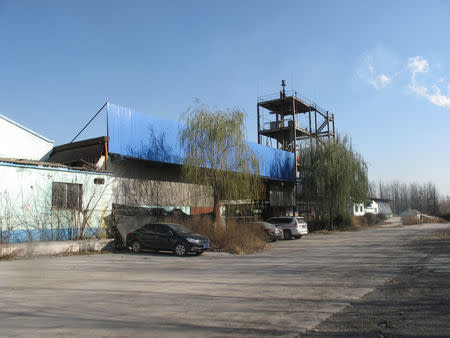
point(416, 303)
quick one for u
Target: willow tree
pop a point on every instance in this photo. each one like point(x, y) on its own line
point(333, 175)
point(217, 155)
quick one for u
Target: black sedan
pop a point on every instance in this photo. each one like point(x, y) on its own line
point(167, 237)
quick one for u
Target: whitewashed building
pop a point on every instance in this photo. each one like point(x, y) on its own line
point(356, 209)
point(46, 201)
point(372, 207)
point(17, 141)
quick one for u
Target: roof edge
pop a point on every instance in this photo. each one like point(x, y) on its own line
point(26, 129)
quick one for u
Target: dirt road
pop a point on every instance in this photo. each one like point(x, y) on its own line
point(416, 303)
point(329, 280)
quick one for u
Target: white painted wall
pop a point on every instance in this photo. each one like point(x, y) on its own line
point(373, 208)
point(17, 141)
point(26, 195)
point(356, 209)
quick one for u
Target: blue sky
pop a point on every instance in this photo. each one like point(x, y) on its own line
point(382, 67)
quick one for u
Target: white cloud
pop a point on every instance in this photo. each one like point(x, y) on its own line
point(419, 65)
point(378, 81)
point(383, 80)
point(370, 64)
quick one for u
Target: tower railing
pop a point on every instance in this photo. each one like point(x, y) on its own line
point(294, 93)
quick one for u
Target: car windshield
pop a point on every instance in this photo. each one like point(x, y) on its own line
point(180, 228)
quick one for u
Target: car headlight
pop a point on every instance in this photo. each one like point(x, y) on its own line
point(193, 240)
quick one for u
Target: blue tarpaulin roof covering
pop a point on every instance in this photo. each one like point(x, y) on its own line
point(150, 138)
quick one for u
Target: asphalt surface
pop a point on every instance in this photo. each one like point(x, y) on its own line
point(348, 283)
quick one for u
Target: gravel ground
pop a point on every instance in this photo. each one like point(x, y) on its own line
point(415, 304)
point(379, 281)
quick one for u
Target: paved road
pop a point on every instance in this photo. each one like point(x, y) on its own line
point(282, 292)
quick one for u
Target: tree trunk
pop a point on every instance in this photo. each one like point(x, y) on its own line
point(216, 213)
point(331, 219)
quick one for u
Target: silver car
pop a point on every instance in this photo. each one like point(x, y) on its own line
point(291, 226)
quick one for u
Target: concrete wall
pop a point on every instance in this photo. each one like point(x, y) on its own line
point(144, 183)
point(140, 192)
point(282, 196)
point(26, 202)
point(17, 141)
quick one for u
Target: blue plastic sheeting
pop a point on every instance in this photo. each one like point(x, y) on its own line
point(21, 236)
point(150, 138)
point(274, 163)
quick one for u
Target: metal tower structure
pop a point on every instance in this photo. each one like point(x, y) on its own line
point(289, 120)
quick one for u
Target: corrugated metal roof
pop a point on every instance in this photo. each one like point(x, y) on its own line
point(143, 136)
point(40, 164)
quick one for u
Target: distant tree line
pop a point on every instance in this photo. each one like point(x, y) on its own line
point(422, 197)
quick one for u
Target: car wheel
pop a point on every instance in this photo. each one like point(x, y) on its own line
point(298, 236)
point(136, 247)
point(287, 234)
point(180, 249)
point(118, 245)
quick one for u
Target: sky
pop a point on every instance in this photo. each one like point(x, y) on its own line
point(382, 67)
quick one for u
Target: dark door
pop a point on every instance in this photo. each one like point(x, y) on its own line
point(149, 236)
point(164, 237)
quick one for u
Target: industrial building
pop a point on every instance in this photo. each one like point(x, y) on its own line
point(136, 162)
point(144, 155)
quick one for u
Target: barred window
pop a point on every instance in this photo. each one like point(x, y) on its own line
point(67, 195)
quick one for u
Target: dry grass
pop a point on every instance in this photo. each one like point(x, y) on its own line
point(411, 220)
point(443, 235)
point(358, 221)
point(236, 238)
point(434, 220)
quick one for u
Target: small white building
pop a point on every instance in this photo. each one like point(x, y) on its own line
point(372, 207)
point(356, 209)
point(379, 206)
point(46, 201)
point(17, 141)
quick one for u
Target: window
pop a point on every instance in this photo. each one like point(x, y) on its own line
point(356, 208)
point(149, 228)
point(360, 209)
point(99, 181)
point(162, 229)
point(67, 196)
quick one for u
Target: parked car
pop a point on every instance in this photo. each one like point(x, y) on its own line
point(291, 226)
point(272, 232)
point(167, 237)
